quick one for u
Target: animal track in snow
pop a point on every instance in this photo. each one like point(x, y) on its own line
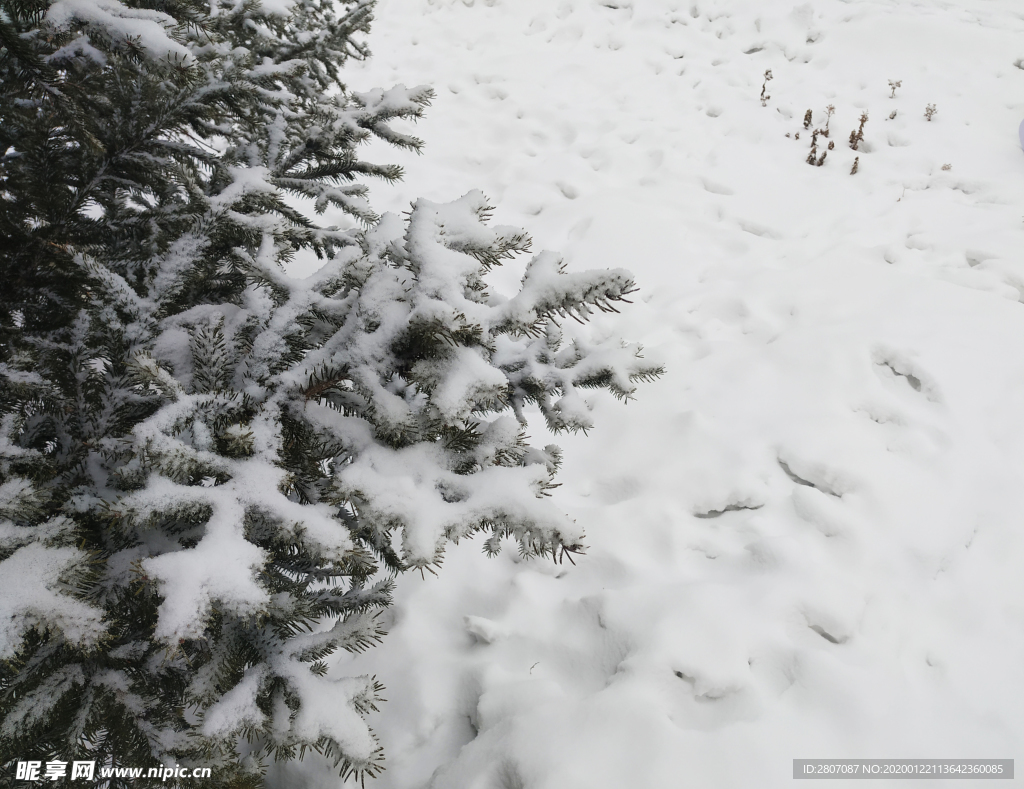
point(913, 380)
point(818, 484)
point(727, 508)
point(895, 366)
point(828, 636)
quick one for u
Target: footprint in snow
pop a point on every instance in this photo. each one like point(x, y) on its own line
point(892, 365)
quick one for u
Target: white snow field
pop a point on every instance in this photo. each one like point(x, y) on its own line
point(807, 539)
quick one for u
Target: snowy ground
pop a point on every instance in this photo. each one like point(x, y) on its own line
point(807, 540)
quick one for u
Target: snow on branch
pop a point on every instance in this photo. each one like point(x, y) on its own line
point(118, 23)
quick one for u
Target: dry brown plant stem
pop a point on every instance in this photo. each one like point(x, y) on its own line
point(764, 88)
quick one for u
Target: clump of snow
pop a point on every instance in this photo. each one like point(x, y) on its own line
point(31, 596)
point(236, 706)
point(119, 23)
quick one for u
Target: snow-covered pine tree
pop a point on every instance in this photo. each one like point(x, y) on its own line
point(144, 146)
point(210, 470)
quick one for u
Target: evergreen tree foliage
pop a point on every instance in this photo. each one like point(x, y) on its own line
point(211, 472)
